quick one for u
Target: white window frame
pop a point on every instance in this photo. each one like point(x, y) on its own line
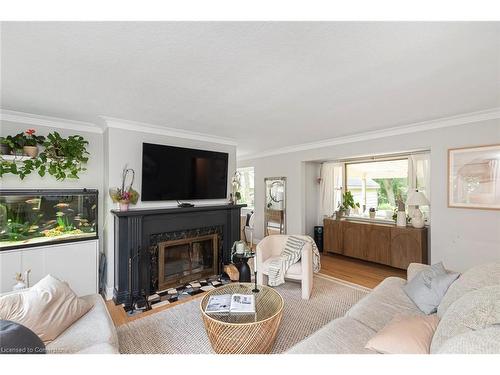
point(390, 157)
point(239, 169)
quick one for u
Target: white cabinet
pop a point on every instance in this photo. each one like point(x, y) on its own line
point(76, 263)
point(10, 263)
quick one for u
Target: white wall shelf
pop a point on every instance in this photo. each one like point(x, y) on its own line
point(14, 158)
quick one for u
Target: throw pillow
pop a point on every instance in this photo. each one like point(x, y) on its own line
point(474, 311)
point(18, 339)
point(429, 286)
point(405, 335)
point(477, 277)
point(48, 308)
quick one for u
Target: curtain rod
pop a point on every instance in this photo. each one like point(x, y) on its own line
point(378, 157)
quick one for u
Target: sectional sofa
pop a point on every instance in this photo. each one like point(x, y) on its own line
point(458, 330)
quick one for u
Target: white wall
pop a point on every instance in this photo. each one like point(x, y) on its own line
point(124, 147)
point(311, 196)
point(460, 238)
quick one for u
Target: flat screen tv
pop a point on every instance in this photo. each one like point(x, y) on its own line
point(176, 173)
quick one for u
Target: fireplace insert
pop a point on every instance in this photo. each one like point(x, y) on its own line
point(187, 259)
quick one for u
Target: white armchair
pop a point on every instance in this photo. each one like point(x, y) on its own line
point(270, 247)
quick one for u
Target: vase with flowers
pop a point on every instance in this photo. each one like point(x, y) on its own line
point(30, 142)
point(125, 195)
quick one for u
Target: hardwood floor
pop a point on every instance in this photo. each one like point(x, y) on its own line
point(357, 271)
point(349, 269)
point(119, 316)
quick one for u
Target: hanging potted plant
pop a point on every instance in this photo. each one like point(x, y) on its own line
point(125, 195)
point(30, 143)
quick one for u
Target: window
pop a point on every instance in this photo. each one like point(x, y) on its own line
point(247, 185)
point(379, 184)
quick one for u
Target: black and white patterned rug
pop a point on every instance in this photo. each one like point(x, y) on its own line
point(172, 295)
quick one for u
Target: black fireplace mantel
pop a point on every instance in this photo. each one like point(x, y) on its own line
point(134, 228)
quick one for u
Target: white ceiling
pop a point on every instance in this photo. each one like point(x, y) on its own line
point(265, 84)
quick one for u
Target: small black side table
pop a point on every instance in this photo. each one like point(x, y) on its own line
point(243, 267)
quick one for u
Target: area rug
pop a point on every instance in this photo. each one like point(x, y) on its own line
point(180, 330)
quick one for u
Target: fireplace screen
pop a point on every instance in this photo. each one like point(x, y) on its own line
point(187, 259)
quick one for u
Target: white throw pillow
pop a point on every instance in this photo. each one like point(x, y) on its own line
point(474, 311)
point(48, 308)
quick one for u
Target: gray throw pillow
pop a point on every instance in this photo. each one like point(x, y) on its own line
point(18, 339)
point(429, 286)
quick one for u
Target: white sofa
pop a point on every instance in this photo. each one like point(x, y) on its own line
point(93, 333)
point(270, 247)
point(350, 333)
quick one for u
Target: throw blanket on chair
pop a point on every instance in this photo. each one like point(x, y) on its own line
point(291, 254)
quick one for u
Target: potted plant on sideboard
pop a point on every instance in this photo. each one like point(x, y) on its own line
point(347, 203)
point(372, 213)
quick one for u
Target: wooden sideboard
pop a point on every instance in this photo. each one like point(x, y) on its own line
point(380, 243)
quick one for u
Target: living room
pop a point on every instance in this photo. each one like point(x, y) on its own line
point(262, 187)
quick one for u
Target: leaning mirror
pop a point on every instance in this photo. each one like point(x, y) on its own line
point(275, 206)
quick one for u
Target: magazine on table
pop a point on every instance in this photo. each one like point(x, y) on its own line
point(231, 303)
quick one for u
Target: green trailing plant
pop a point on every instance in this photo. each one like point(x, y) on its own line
point(14, 142)
point(62, 157)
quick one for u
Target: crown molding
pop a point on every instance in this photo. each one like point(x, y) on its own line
point(48, 121)
point(112, 122)
point(462, 119)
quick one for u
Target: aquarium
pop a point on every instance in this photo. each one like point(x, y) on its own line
point(39, 217)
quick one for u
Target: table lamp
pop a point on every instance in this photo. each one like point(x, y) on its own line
point(417, 199)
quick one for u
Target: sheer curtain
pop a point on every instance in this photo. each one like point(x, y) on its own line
point(330, 188)
point(419, 178)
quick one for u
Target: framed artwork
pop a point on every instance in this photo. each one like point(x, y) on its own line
point(474, 177)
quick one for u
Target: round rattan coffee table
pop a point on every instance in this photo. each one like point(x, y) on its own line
point(244, 333)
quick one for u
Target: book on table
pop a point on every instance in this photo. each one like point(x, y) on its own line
point(231, 303)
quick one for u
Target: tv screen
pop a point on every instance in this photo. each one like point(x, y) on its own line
point(175, 173)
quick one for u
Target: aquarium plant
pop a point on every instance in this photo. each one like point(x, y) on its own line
point(37, 218)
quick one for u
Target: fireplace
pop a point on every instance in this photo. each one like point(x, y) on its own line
point(184, 260)
point(179, 257)
point(138, 234)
